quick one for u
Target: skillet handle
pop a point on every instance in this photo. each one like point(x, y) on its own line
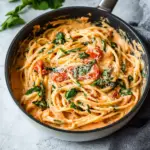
point(107, 5)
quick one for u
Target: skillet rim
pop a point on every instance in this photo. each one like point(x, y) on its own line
point(140, 102)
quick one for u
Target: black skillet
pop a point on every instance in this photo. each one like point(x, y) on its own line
point(103, 10)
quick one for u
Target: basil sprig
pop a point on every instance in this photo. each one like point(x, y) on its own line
point(14, 18)
point(71, 93)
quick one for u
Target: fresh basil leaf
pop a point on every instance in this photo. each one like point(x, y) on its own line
point(124, 92)
point(88, 109)
point(14, 18)
point(78, 83)
point(69, 51)
point(75, 72)
point(53, 87)
point(123, 67)
point(105, 80)
point(54, 4)
point(120, 83)
point(103, 42)
point(13, 0)
point(115, 108)
point(58, 121)
point(72, 105)
point(73, 50)
point(40, 5)
point(34, 89)
point(71, 93)
point(27, 2)
point(11, 21)
point(42, 104)
point(106, 73)
point(42, 50)
point(130, 78)
point(144, 75)
point(113, 45)
point(84, 69)
point(79, 103)
point(50, 51)
point(83, 55)
point(60, 38)
point(16, 10)
point(50, 69)
point(102, 83)
point(63, 51)
point(85, 43)
point(39, 89)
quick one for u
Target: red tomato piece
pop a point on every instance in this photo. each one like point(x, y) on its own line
point(44, 72)
point(59, 77)
point(93, 74)
point(95, 53)
point(115, 94)
point(39, 67)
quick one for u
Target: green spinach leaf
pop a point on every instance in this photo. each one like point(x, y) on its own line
point(123, 67)
point(74, 106)
point(124, 92)
point(34, 89)
point(83, 55)
point(60, 38)
point(113, 45)
point(71, 93)
point(42, 104)
point(12, 21)
point(144, 75)
point(103, 42)
point(130, 78)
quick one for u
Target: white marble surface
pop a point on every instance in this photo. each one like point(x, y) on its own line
point(16, 131)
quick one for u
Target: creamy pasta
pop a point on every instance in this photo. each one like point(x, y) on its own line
point(78, 75)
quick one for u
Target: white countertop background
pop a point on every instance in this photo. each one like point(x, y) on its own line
point(16, 131)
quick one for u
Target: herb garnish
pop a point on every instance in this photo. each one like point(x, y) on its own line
point(123, 67)
point(113, 45)
point(58, 121)
point(84, 69)
point(143, 74)
point(85, 43)
point(42, 104)
point(83, 55)
point(79, 103)
point(105, 80)
point(42, 50)
point(51, 69)
point(88, 109)
point(71, 93)
point(120, 83)
point(125, 92)
point(50, 51)
point(103, 42)
point(69, 51)
point(130, 78)
point(41, 92)
point(74, 106)
point(60, 38)
point(115, 108)
point(14, 18)
point(34, 89)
